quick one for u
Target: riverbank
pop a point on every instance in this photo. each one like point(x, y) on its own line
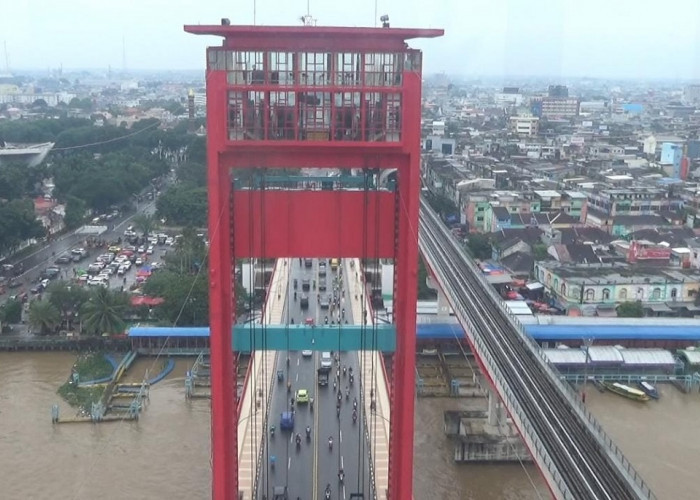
point(80, 344)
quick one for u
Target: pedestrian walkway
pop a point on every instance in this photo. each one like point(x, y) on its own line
point(372, 372)
point(258, 390)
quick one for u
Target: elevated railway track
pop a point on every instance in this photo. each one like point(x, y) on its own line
point(576, 457)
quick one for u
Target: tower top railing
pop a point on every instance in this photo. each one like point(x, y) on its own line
point(305, 38)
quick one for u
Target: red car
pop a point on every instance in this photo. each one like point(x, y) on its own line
point(309, 321)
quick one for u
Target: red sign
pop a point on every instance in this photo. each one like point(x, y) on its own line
point(638, 252)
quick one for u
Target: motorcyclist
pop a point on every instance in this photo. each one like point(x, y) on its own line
point(298, 439)
point(345, 370)
point(330, 442)
point(308, 431)
point(272, 430)
point(354, 404)
point(347, 393)
point(341, 475)
point(354, 416)
point(328, 491)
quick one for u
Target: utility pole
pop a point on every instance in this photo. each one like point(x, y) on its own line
point(587, 344)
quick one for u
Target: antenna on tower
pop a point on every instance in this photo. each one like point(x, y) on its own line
point(307, 20)
point(7, 59)
point(123, 54)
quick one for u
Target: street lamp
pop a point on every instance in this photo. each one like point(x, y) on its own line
point(587, 343)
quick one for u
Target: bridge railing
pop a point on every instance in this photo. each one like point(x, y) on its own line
point(614, 452)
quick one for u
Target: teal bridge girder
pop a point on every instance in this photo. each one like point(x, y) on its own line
point(256, 337)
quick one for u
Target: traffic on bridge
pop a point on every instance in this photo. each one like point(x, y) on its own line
point(317, 441)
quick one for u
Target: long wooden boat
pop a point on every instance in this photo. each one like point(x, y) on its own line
point(626, 391)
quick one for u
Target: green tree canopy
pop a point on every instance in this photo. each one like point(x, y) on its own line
point(479, 246)
point(11, 311)
point(104, 311)
point(44, 316)
point(631, 309)
point(184, 205)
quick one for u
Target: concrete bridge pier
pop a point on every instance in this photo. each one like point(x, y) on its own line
point(443, 306)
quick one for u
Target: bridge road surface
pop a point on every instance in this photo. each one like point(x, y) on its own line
point(307, 470)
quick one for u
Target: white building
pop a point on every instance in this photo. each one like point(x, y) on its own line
point(438, 128)
point(525, 126)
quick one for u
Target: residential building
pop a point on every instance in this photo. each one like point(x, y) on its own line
point(555, 107)
point(632, 201)
point(524, 126)
point(582, 289)
point(440, 144)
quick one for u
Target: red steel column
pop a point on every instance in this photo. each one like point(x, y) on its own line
point(224, 417)
point(405, 296)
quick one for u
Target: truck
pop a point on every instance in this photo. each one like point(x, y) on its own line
point(323, 374)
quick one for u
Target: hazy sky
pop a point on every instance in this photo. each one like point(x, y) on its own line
point(598, 38)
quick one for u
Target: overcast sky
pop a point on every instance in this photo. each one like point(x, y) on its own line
point(598, 38)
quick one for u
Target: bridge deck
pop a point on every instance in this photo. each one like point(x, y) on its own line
point(252, 419)
point(373, 369)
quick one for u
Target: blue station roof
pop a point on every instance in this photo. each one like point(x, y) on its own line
point(444, 331)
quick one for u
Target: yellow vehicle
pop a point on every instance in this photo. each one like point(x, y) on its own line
point(334, 264)
point(302, 396)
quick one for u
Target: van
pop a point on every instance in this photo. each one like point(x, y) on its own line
point(334, 264)
point(326, 360)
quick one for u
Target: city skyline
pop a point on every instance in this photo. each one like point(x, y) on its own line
point(484, 38)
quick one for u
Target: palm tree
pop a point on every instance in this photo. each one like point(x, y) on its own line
point(145, 223)
point(104, 311)
point(44, 316)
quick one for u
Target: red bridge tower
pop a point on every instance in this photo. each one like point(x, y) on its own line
point(312, 97)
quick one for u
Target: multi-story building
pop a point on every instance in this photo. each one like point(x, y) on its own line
point(555, 107)
point(632, 201)
point(442, 176)
point(525, 126)
point(573, 203)
point(583, 288)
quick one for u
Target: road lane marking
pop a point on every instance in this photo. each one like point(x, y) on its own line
point(297, 379)
point(289, 463)
point(317, 443)
point(341, 435)
point(342, 466)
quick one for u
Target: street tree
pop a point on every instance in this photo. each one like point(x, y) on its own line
point(145, 223)
point(631, 309)
point(44, 316)
point(184, 204)
point(104, 311)
point(67, 298)
point(186, 297)
point(479, 246)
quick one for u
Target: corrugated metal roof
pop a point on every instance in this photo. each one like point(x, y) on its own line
point(615, 332)
point(693, 356)
point(565, 356)
point(647, 357)
point(604, 354)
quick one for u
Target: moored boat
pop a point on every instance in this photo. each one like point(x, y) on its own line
point(649, 389)
point(626, 391)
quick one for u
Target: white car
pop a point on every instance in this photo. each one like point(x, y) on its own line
point(306, 353)
point(139, 261)
point(149, 250)
point(141, 249)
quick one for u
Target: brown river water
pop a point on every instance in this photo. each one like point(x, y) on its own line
point(166, 454)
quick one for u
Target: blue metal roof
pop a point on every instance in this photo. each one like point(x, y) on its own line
point(157, 331)
point(443, 331)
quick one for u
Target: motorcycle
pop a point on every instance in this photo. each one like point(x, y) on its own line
point(272, 431)
point(352, 379)
point(330, 443)
point(354, 404)
point(341, 476)
point(354, 416)
point(347, 394)
point(328, 492)
point(298, 440)
point(308, 433)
